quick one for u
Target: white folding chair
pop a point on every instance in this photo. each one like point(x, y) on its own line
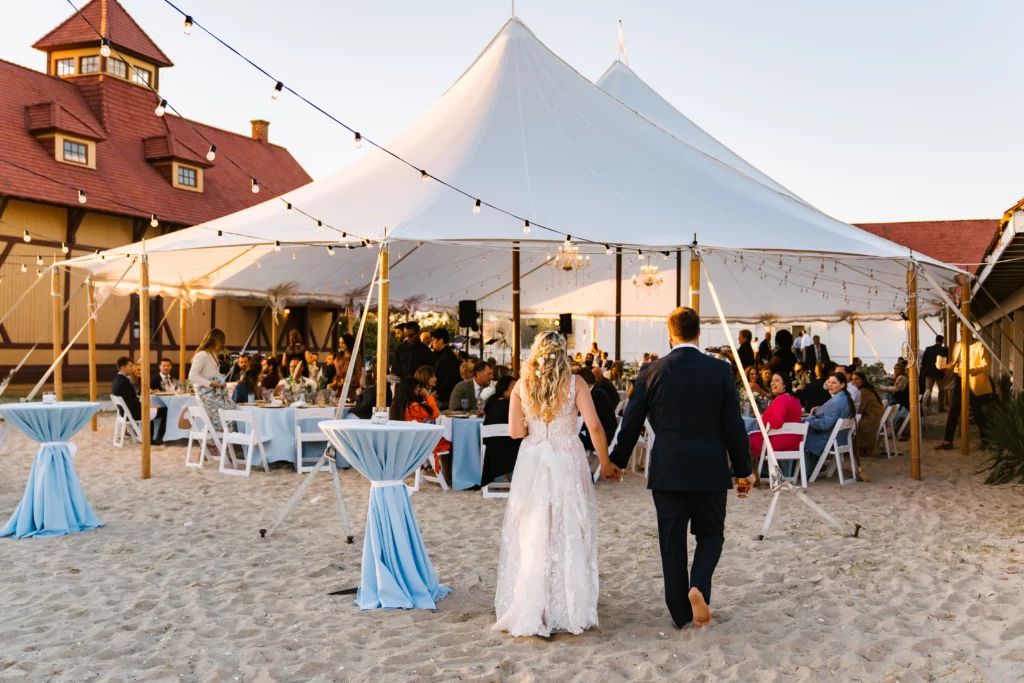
point(836, 450)
point(906, 422)
point(885, 431)
point(251, 439)
point(124, 423)
point(645, 444)
point(621, 407)
point(492, 489)
point(437, 478)
point(307, 415)
point(797, 455)
point(201, 432)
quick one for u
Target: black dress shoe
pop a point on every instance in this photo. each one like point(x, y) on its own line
point(156, 442)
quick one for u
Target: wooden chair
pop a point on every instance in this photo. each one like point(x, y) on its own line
point(797, 455)
point(201, 432)
point(837, 451)
point(124, 423)
point(305, 415)
point(251, 439)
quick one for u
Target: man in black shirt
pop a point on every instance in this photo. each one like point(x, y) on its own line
point(746, 351)
point(123, 388)
point(412, 354)
point(446, 367)
point(930, 373)
point(764, 350)
point(603, 384)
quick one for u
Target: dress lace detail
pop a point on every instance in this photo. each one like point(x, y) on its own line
point(547, 567)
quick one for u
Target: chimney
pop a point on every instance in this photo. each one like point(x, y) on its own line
point(261, 130)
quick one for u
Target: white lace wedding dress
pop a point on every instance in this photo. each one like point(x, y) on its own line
point(547, 569)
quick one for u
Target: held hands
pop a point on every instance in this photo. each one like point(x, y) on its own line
point(610, 471)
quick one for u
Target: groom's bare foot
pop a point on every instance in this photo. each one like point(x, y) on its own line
point(701, 611)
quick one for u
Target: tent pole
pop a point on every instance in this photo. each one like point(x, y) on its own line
point(273, 334)
point(56, 299)
point(618, 303)
point(182, 330)
point(144, 343)
point(694, 281)
point(91, 310)
point(383, 328)
point(853, 339)
point(868, 340)
point(679, 278)
point(912, 375)
point(965, 358)
point(516, 322)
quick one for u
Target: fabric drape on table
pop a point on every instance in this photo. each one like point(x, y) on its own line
point(54, 503)
point(396, 572)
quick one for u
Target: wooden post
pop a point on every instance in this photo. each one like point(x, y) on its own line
point(144, 342)
point(618, 303)
point(273, 333)
point(383, 328)
point(517, 339)
point(91, 309)
point(1018, 357)
point(853, 340)
point(694, 281)
point(679, 278)
point(965, 356)
point(183, 347)
point(57, 300)
point(912, 376)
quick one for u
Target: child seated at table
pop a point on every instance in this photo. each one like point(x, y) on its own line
point(413, 403)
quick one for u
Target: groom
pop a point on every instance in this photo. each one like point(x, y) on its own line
point(693, 406)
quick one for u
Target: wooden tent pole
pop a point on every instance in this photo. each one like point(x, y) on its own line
point(915, 410)
point(853, 340)
point(516, 312)
point(965, 357)
point(383, 327)
point(57, 300)
point(273, 334)
point(144, 342)
point(91, 310)
point(694, 281)
point(183, 331)
point(618, 303)
point(679, 278)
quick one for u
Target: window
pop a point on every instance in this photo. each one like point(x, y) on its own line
point(76, 152)
point(140, 76)
point(186, 176)
point(117, 67)
point(90, 65)
point(66, 67)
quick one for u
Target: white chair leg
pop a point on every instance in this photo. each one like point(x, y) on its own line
point(853, 463)
point(188, 454)
point(248, 459)
point(263, 456)
point(838, 464)
point(817, 468)
point(803, 471)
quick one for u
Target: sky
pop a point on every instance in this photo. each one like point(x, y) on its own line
point(871, 110)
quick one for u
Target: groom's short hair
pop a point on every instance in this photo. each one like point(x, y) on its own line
point(684, 323)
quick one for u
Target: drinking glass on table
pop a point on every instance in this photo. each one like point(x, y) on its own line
point(267, 395)
point(465, 405)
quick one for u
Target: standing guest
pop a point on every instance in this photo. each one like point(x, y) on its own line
point(500, 456)
point(801, 342)
point(587, 369)
point(824, 418)
point(412, 354)
point(366, 397)
point(783, 359)
point(815, 352)
point(469, 390)
point(271, 375)
point(979, 389)
point(930, 372)
point(764, 349)
point(123, 388)
point(295, 349)
point(207, 380)
point(606, 362)
point(164, 380)
point(446, 366)
point(784, 409)
point(857, 363)
point(602, 383)
point(871, 410)
point(746, 351)
point(426, 338)
point(413, 403)
point(342, 360)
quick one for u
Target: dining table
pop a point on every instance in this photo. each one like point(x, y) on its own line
point(278, 424)
point(176, 404)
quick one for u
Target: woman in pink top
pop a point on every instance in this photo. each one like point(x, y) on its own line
point(784, 408)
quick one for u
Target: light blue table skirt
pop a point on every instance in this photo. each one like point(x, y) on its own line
point(279, 425)
point(396, 572)
point(175, 405)
point(54, 503)
point(466, 452)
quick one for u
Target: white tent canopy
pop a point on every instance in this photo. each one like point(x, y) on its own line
point(523, 131)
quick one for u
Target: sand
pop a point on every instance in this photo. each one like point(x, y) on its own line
point(931, 591)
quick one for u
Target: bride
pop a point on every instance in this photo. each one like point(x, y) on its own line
point(547, 569)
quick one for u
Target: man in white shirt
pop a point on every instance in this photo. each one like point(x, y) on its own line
point(164, 380)
point(295, 382)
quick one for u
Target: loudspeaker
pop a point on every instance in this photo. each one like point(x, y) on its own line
point(565, 324)
point(467, 314)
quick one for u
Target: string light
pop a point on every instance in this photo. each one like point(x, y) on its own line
point(358, 140)
point(161, 108)
point(24, 268)
point(39, 273)
point(81, 196)
point(293, 256)
point(220, 237)
point(64, 247)
point(105, 47)
point(526, 227)
point(27, 237)
point(608, 250)
point(424, 176)
point(188, 25)
point(255, 186)
point(278, 87)
point(212, 154)
point(277, 245)
point(153, 222)
point(476, 207)
point(258, 266)
point(319, 226)
point(288, 210)
point(39, 260)
point(330, 250)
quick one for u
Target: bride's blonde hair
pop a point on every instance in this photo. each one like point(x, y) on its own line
point(544, 375)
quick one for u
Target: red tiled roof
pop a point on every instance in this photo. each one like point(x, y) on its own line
point(113, 22)
point(961, 243)
point(123, 112)
point(52, 116)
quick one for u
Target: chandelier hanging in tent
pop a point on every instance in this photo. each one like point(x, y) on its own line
point(568, 260)
point(649, 278)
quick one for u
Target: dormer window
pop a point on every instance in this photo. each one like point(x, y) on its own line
point(66, 67)
point(90, 65)
point(187, 176)
point(116, 67)
point(76, 152)
point(141, 76)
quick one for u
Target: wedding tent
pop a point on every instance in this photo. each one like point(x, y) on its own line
point(522, 131)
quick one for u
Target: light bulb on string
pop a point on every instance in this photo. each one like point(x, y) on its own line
point(287, 209)
point(424, 176)
point(476, 207)
point(664, 256)
point(526, 227)
point(293, 256)
point(568, 241)
point(153, 222)
point(161, 108)
point(24, 268)
point(27, 237)
point(39, 260)
point(608, 250)
point(358, 140)
point(39, 273)
point(255, 186)
point(64, 247)
point(319, 226)
point(277, 245)
point(105, 47)
point(220, 237)
point(212, 154)
point(278, 87)
point(330, 250)
point(81, 196)
point(258, 265)
point(188, 25)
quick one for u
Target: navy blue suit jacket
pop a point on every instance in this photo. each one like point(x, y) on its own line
point(693, 406)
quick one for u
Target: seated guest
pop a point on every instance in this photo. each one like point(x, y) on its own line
point(414, 404)
point(329, 368)
point(366, 397)
point(587, 369)
point(466, 394)
point(427, 379)
point(814, 393)
point(136, 377)
point(501, 371)
point(466, 370)
point(164, 380)
point(823, 419)
point(606, 362)
point(501, 453)
point(800, 375)
point(123, 388)
point(755, 381)
point(604, 384)
point(238, 370)
point(617, 373)
point(247, 387)
point(271, 375)
point(899, 393)
point(870, 415)
point(295, 383)
point(783, 359)
point(313, 368)
point(784, 408)
point(848, 371)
